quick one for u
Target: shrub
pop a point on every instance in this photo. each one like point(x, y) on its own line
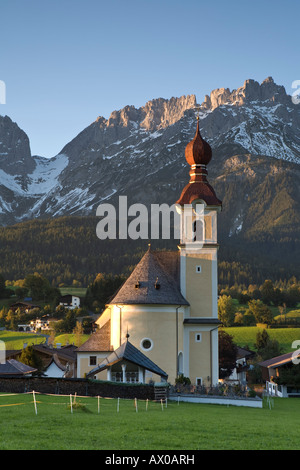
point(183, 380)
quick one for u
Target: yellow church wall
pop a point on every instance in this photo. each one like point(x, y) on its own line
point(84, 366)
point(199, 284)
point(208, 227)
point(104, 317)
point(83, 362)
point(199, 357)
point(210, 220)
point(102, 375)
point(157, 324)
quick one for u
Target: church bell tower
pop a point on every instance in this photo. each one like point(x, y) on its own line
point(198, 206)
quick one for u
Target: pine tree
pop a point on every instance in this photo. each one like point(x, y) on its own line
point(31, 358)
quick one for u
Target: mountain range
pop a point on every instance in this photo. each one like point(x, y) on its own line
point(254, 132)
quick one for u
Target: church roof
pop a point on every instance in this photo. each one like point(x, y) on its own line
point(98, 341)
point(199, 190)
point(130, 353)
point(155, 280)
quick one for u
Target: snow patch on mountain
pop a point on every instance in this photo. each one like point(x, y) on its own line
point(41, 180)
point(46, 173)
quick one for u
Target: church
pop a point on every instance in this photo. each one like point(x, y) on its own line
point(163, 321)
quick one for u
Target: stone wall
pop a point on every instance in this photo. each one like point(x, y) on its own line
point(82, 387)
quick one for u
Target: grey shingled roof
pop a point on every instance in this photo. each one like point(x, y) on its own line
point(130, 353)
point(160, 267)
point(12, 367)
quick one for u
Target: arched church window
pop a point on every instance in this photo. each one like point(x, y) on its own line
point(180, 363)
point(198, 231)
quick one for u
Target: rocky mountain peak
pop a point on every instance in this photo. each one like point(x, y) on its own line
point(251, 91)
point(15, 154)
point(161, 113)
point(156, 114)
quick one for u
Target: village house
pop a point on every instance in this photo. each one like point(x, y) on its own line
point(57, 362)
point(34, 325)
point(166, 312)
point(277, 373)
point(24, 307)
point(239, 373)
point(70, 301)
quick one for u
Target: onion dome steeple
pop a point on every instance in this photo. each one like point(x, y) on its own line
point(198, 154)
point(198, 151)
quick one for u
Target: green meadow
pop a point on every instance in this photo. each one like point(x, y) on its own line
point(246, 336)
point(16, 340)
point(113, 426)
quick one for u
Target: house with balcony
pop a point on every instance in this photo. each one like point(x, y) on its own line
point(282, 374)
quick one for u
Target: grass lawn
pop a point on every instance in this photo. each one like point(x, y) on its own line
point(80, 291)
point(185, 426)
point(16, 339)
point(246, 335)
point(71, 339)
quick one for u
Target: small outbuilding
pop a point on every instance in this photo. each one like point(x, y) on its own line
point(128, 364)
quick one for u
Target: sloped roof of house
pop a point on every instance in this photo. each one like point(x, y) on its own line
point(130, 353)
point(98, 341)
point(155, 280)
point(242, 352)
point(56, 361)
point(280, 360)
point(65, 353)
point(12, 367)
point(24, 305)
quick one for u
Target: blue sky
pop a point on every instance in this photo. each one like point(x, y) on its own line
point(65, 62)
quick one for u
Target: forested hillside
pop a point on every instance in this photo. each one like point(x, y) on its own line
point(66, 249)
